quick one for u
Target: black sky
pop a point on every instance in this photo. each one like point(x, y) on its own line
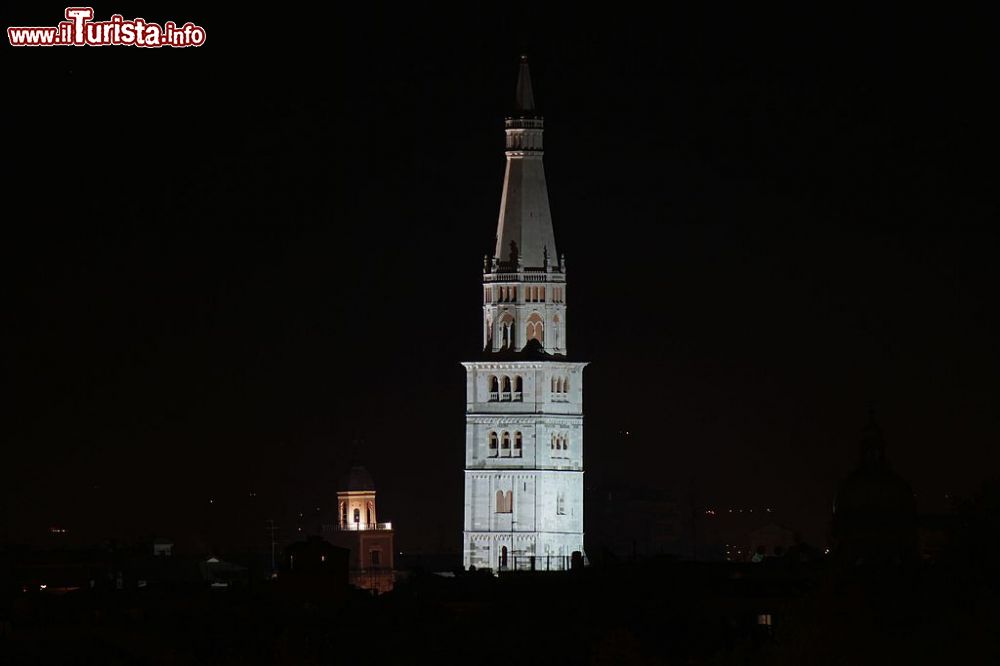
point(227, 263)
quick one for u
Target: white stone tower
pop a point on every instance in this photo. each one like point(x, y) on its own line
point(524, 397)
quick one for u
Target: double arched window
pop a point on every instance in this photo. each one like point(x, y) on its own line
point(505, 501)
point(535, 328)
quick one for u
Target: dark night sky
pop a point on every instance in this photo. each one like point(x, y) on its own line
point(229, 262)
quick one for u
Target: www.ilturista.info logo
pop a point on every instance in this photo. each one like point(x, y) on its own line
point(79, 29)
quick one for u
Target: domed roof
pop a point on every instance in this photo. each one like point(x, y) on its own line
point(874, 490)
point(356, 479)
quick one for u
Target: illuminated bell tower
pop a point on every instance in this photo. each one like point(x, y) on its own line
point(358, 530)
point(524, 397)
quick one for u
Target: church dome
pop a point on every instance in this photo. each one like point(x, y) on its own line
point(874, 491)
point(357, 479)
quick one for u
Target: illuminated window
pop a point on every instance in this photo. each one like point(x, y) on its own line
point(535, 329)
point(357, 516)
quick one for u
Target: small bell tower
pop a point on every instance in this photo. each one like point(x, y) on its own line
point(357, 529)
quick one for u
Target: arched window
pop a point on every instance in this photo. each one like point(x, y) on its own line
point(518, 388)
point(357, 516)
point(503, 557)
point(504, 501)
point(493, 445)
point(517, 445)
point(494, 388)
point(535, 328)
point(553, 383)
point(505, 388)
point(505, 445)
point(553, 444)
point(565, 386)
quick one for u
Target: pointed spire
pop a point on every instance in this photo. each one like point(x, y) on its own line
point(524, 98)
point(525, 226)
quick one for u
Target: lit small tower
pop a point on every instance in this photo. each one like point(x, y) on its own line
point(524, 397)
point(358, 529)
